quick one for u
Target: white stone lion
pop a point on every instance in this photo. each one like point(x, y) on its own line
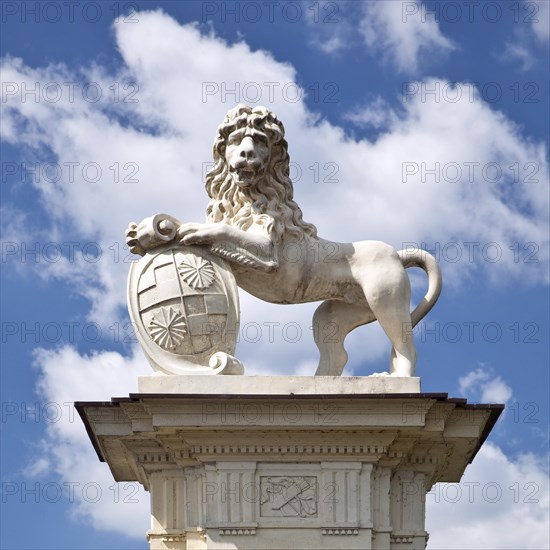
point(254, 223)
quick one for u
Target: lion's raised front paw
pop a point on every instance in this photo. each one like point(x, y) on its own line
point(132, 239)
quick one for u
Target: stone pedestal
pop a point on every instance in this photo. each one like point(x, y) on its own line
point(291, 463)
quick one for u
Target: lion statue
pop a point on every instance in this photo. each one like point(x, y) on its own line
point(254, 223)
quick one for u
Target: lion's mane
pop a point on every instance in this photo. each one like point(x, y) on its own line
point(269, 202)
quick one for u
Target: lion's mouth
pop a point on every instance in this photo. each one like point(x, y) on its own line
point(244, 176)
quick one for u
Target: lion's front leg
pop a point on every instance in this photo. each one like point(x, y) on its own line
point(232, 244)
point(199, 233)
point(151, 232)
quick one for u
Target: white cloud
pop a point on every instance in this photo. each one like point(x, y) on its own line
point(168, 133)
point(15, 227)
point(331, 25)
point(37, 467)
point(530, 38)
point(403, 33)
point(496, 391)
point(517, 51)
point(472, 379)
point(377, 113)
point(332, 44)
point(169, 137)
point(66, 376)
point(538, 13)
point(499, 503)
point(482, 385)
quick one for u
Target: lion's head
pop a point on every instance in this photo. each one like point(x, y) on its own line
point(262, 192)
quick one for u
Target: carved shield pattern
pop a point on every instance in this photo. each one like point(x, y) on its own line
point(184, 303)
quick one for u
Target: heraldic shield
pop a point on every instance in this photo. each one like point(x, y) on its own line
point(184, 303)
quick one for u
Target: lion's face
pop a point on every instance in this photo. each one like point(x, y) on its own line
point(249, 184)
point(247, 155)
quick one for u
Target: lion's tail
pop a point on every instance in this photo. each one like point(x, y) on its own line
point(416, 257)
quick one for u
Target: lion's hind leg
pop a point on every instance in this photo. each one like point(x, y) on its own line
point(333, 320)
point(388, 293)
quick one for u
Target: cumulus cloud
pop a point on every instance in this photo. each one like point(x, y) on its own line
point(443, 163)
point(526, 42)
point(331, 26)
point(482, 385)
point(66, 376)
point(539, 18)
point(377, 114)
point(402, 33)
point(517, 51)
point(499, 503)
point(170, 144)
point(37, 467)
point(167, 134)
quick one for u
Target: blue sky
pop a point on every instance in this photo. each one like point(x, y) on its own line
point(416, 122)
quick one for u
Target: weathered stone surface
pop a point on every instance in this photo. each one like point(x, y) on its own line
point(254, 224)
point(184, 306)
point(253, 471)
point(278, 385)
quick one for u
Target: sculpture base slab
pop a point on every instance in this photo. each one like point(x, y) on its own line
point(286, 462)
point(277, 385)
